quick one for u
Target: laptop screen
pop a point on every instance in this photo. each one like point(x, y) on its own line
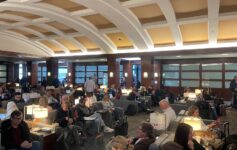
point(2, 116)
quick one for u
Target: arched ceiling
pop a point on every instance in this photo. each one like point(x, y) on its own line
point(84, 27)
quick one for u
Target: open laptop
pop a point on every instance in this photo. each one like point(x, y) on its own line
point(2, 116)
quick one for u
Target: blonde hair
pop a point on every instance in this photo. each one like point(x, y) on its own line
point(191, 110)
point(119, 142)
point(43, 101)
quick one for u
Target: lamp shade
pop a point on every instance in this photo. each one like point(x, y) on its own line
point(40, 112)
point(49, 74)
point(194, 122)
point(145, 74)
point(155, 74)
point(30, 108)
point(111, 74)
point(126, 74)
point(29, 73)
point(69, 74)
point(198, 91)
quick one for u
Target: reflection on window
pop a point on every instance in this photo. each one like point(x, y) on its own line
point(42, 72)
point(20, 71)
point(189, 83)
point(171, 75)
point(3, 73)
point(230, 66)
point(172, 83)
point(62, 73)
point(212, 75)
point(212, 84)
point(211, 66)
point(170, 67)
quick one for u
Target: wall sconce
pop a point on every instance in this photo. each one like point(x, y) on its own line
point(155, 74)
point(156, 82)
point(49, 74)
point(111, 74)
point(69, 74)
point(126, 74)
point(145, 74)
point(29, 73)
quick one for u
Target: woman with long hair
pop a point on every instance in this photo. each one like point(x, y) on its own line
point(184, 137)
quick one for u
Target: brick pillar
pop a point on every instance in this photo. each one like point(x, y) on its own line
point(52, 67)
point(156, 69)
point(71, 70)
point(113, 67)
point(32, 68)
point(127, 68)
point(147, 68)
point(10, 72)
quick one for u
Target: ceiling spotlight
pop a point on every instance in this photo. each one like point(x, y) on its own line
point(178, 56)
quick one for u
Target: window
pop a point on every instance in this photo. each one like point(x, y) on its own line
point(20, 71)
point(171, 75)
point(62, 73)
point(42, 73)
point(230, 72)
point(212, 75)
point(136, 73)
point(120, 73)
point(82, 73)
point(3, 73)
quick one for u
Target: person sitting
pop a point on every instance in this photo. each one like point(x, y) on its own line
point(112, 90)
point(119, 143)
point(20, 103)
point(118, 94)
point(184, 137)
point(51, 100)
point(43, 102)
point(11, 106)
point(16, 134)
point(143, 91)
point(86, 115)
point(168, 111)
point(145, 137)
point(64, 115)
point(4, 95)
point(194, 112)
point(172, 146)
point(107, 103)
point(133, 95)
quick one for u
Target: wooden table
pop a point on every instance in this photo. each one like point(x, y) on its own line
point(47, 139)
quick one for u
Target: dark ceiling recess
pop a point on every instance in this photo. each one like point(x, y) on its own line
point(2, 1)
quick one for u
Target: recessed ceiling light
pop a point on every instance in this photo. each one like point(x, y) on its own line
point(178, 56)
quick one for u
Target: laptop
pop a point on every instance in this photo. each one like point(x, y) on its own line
point(2, 116)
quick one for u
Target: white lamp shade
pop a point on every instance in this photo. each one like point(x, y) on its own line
point(198, 91)
point(145, 74)
point(126, 74)
point(111, 74)
point(194, 122)
point(192, 95)
point(49, 74)
point(17, 84)
point(103, 87)
point(69, 74)
point(71, 86)
point(30, 108)
point(65, 85)
point(156, 74)
point(29, 73)
point(40, 112)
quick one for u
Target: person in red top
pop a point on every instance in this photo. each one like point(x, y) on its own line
point(16, 134)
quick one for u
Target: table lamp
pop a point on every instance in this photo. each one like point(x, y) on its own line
point(194, 122)
point(198, 91)
point(40, 112)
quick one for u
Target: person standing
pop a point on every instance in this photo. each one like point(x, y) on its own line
point(90, 86)
point(233, 88)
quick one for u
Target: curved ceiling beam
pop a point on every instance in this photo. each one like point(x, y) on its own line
point(64, 18)
point(40, 50)
point(168, 11)
point(60, 33)
point(121, 17)
point(66, 50)
point(36, 33)
point(13, 17)
point(213, 20)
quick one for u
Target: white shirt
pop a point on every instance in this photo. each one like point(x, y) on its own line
point(169, 115)
point(89, 86)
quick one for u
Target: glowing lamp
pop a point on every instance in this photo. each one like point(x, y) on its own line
point(145, 74)
point(69, 74)
point(198, 91)
point(29, 73)
point(40, 112)
point(17, 84)
point(126, 74)
point(49, 74)
point(30, 108)
point(194, 122)
point(71, 86)
point(76, 101)
point(103, 87)
point(155, 74)
point(79, 89)
point(111, 74)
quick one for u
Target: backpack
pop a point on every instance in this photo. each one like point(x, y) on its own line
point(72, 136)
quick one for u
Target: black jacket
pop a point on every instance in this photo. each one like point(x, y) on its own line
point(6, 139)
point(233, 85)
point(61, 115)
